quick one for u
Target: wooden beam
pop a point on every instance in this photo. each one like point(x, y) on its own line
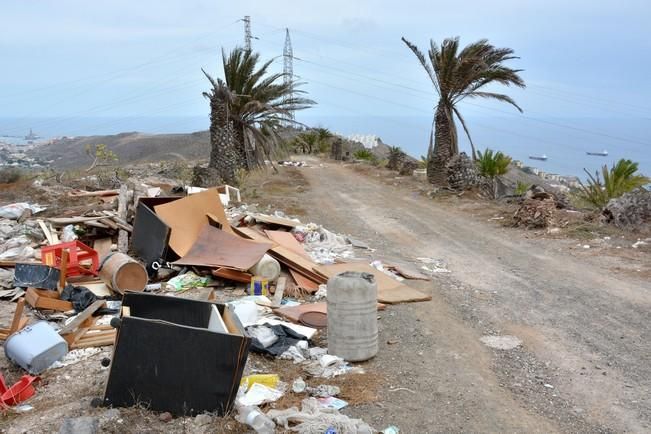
point(123, 236)
point(63, 270)
point(18, 314)
point(83, 316)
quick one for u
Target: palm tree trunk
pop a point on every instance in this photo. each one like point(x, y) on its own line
point(223, 152)
point(243, 148)
point(445, 145)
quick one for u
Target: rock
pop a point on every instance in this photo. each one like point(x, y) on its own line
point(408, 168)
point(79, 425)
point(165, 417)
point(462, 174)
point(112, 414)
point(631, 210)
point(205, 177)
point(505, 342)
point(203, 419)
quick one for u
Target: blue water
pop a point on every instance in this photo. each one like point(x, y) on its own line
point(565, 147)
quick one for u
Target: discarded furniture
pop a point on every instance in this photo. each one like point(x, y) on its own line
point(78, 254)
point(19, 321)
point(151, 235)
point(177, 355)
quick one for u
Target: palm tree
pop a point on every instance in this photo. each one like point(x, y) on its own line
point(224, 154)
point(457, 75)
point(261, 103)
point(396, 158)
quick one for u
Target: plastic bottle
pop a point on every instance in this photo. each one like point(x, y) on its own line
point(254, 418)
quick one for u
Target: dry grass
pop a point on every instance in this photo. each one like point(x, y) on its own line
point(280, 190)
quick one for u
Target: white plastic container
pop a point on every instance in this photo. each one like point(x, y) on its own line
point(35, 347)
point(257, 420)
point(352, 316)
point(266, 267)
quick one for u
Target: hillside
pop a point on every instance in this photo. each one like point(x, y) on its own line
point(129, 147)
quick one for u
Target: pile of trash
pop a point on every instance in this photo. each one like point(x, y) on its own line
point(191, 273)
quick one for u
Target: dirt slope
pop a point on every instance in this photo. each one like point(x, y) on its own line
point(129, 147)
point(585, 361)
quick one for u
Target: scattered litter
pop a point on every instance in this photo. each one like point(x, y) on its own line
point(313, 418)
point(187, 281)
point(392, 429)
point(259, 394)
point(269, 380)
point(549, 386)
point(433, 266)
point(76, 356)
point(323, 391)
point(15, 210)
point(505, 342)
point(332, 402)
point(299, 386)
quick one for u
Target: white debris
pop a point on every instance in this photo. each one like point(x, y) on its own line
point(505, 342)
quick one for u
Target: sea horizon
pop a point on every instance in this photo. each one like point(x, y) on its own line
point(564, 141)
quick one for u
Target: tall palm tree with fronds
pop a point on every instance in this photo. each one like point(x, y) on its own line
point(457, 75)
point(260, 103)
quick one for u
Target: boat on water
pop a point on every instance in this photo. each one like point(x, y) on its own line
point(542, 157)
point(603, 153)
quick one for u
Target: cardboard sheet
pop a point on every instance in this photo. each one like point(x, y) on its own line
point(287, 240)
point(304, 282)
point(389, 290)
point(187, 217)
point(217, 248)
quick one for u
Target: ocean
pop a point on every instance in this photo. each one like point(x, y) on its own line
point(564, 141)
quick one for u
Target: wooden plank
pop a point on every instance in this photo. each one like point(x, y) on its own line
point(304, 282)
point(231, 274)
point(46, 231)
point(63, 270)
point(35, 298)
point(108, 222)
point(64, 221)
point(280, 290)
point(123, 236)
point(287, 257)
point(102, 193)
point(389, 290)
point(18, 314)
point(102, 246)
point(83, 316)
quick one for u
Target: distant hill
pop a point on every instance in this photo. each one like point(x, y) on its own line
point(129, 147)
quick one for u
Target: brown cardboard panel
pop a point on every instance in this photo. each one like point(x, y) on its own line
point(287, 240)
point(389, 290)
point(293, 313)
point(216, 248)
point(304, 282)
point(188, 216)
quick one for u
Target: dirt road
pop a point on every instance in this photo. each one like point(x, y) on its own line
point(585, 362)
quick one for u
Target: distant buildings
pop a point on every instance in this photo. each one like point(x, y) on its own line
point(568, 181)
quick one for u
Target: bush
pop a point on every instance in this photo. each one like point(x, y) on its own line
point(620, 179)
point(364, 154)
point(521, 188)
point(491, 164)
point(10, 175)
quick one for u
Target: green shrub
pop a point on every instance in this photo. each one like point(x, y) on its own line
point(620, 179)
point(521, 188)
point(491, 164)
point(10, 175)
point(364, 154)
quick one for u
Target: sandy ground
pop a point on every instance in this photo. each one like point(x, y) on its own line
point(584, 362)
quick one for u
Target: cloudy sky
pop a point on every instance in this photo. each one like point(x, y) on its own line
point(124, 57)
point(68, 59)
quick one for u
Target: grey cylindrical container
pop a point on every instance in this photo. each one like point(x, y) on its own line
point(352, 316)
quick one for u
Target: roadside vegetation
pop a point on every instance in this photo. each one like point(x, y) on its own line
point(622, 177)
